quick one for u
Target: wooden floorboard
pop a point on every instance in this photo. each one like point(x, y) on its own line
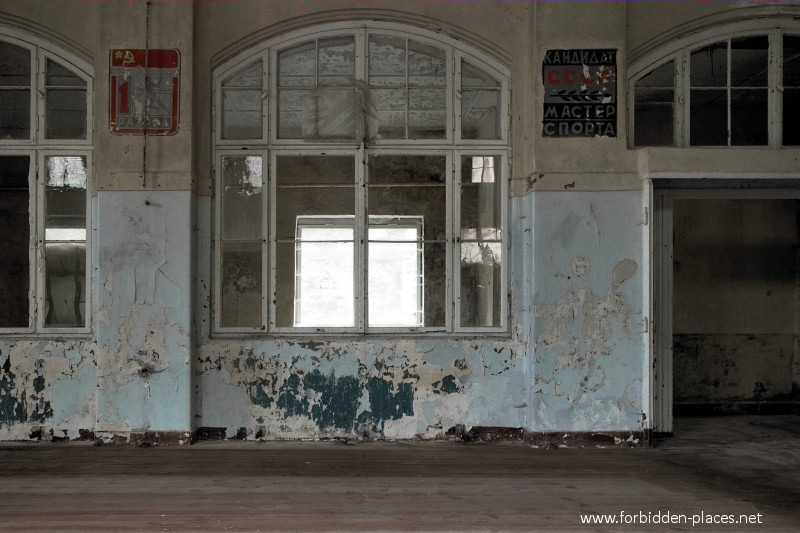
point(324, 486)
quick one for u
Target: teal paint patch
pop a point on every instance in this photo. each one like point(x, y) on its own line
point(449, 385)
point(292, 400)
point(386, 403)
point(12, 411)
point(338, 400)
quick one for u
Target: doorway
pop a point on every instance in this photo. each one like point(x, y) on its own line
point(726, 300)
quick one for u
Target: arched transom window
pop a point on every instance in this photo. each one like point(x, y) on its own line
point(45, 163)
point(737, 86)
point(361, 184)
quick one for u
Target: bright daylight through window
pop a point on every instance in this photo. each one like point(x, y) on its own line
point(361, 185)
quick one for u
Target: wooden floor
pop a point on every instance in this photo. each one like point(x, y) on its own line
point(734, 465)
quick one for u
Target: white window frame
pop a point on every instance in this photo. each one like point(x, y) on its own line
point(37, 148)
point(680, 51)
point(269, 146)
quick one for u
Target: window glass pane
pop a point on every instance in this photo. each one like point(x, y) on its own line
point(427, 115)
point(791, 110)
point(387, 61)
point(242, 114)
point(314, 285)
point(337, 60)
point(405, 170)
point(65, 199)
point(749, 61)
point(709, 66)
point(65, 279)
point(15, 66)
point(14, 260)
point(481, 208)
point(251, 76)
point(242, 207)
point(749, 111)
point(291, 103)
point(316, 170)
point(65, 242)
point(241, 284)
point(474, 77)
point(391, 107)
point(65, 114)
point(481, 284)
point(395, 276)
point(297, 65)
point(409, 186)
point(295, 202)
point(663, 77)
point(15, 114)
point(709, 118)
point(479, 116)
point(654, 117)
point(59, 76)
point(791, 60)
point(427, 65)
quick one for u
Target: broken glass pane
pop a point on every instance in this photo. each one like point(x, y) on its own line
point(14, 259)
point(749, 112)
point(15, 114)
point(242, 208)
point(481, 284)
point(749, 61)
point(481, 210)
point(15, 66)
point(709, 66)
point(709, 118)
point(65, 280)
point(241, 284)
point(65, 199)
point(242, 114)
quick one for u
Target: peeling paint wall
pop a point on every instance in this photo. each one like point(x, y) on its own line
point(589, 353)
point(143, 314)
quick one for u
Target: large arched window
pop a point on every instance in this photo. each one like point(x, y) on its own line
point(361, 184)
point(734, 86)
point(45, 161)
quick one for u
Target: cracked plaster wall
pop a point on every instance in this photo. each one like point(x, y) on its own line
point(143, 314)
point(588, 334)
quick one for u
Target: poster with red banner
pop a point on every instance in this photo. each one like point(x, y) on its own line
point(144, 91)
